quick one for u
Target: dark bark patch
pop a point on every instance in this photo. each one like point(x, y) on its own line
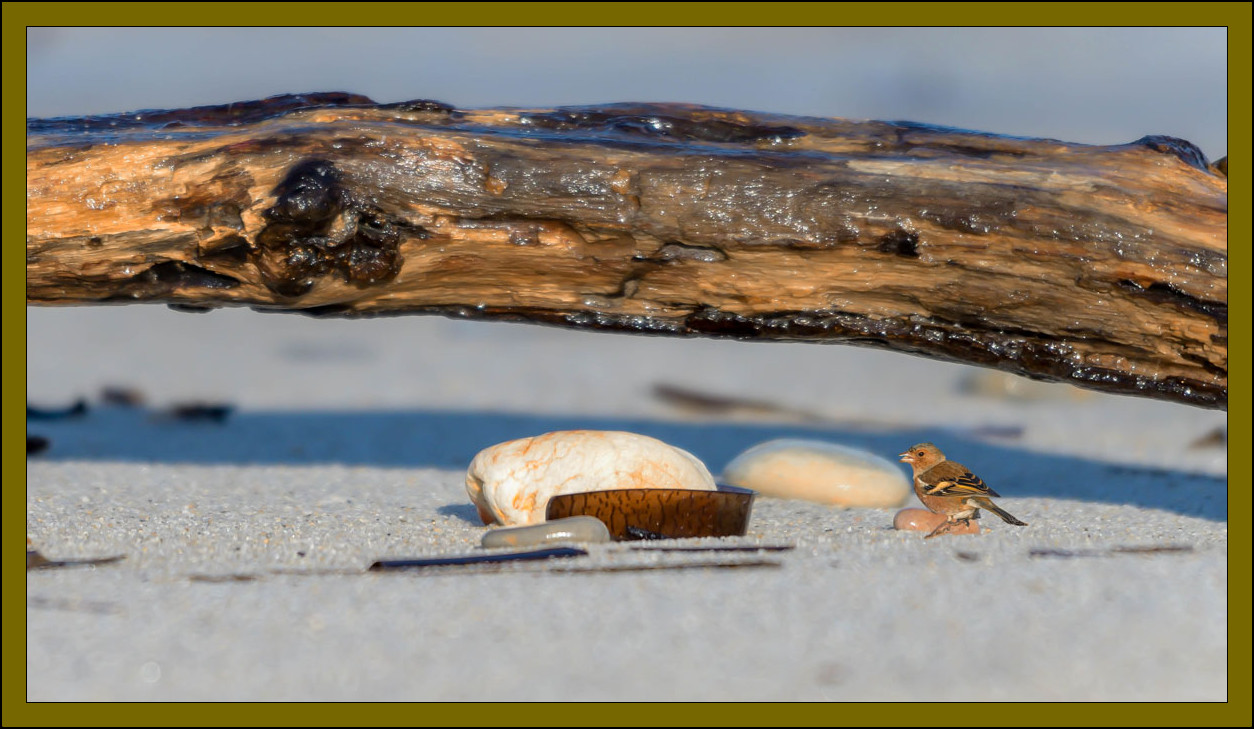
point(235, 114)
point(1186, 151)
point(318, 227)
point(672, 252)
point(419, 105)
point(1165, 293)
point(660, 126)
point(900, 243)
point(167, 277)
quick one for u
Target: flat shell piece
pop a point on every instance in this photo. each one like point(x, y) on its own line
point(586, 529)
point(634, 514)
point(511, 483)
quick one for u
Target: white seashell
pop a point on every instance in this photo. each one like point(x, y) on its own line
point(511, 483)
point(815, 470)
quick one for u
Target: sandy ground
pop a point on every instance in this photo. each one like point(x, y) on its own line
point(246, 541)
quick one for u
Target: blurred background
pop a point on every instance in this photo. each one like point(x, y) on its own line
point(1089, 85)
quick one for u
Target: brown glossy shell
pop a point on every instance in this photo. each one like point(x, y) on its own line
point(661, 513)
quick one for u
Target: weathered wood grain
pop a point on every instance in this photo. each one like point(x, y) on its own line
point(1105, 267)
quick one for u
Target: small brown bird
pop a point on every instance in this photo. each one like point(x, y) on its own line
point(949, 488)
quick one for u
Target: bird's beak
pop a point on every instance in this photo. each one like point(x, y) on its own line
point(906, 457)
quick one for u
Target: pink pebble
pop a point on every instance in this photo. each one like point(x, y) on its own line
point(922, 520)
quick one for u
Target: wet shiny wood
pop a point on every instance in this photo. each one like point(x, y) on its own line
point(1105, 267)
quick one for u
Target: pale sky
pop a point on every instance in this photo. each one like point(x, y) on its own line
point(1091, 85)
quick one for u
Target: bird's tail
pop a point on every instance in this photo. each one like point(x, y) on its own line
point(1006, 517)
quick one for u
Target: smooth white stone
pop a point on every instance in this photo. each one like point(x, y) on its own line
point(585, 529)
point(511, 483)
point(815, 470)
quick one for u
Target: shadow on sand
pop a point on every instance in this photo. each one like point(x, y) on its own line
point(450, 439)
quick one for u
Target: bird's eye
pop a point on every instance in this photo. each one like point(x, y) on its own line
point(920, 453)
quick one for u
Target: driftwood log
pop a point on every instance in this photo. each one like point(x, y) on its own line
point(1105, 267)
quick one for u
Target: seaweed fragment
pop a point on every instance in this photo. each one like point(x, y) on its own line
point(222, 578)
point(722, 548)
point(1112, 551)
point(199, 412)
point(475, 559)
point(673, 566)
point(36, 561)
point(122, 396)
point(1217, 438)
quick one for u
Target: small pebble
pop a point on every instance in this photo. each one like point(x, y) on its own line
point(588, 529)
point(922, 520)
point(816, 470)
point(511, 483)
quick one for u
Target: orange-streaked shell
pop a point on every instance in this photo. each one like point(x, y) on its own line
point(511, 483)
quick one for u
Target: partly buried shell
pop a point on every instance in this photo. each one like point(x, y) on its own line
point(511, 483)
point(630, 514)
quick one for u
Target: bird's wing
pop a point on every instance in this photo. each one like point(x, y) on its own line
point(952, 479)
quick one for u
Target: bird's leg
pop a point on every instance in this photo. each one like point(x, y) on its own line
point(942, 529)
